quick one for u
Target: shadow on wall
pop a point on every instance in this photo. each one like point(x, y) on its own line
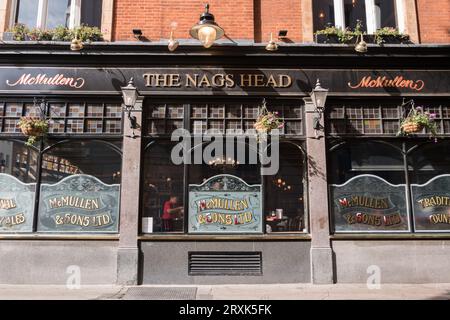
point(444, 296)
point(314, 168)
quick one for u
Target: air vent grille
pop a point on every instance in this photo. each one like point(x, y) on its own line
point(205, 263)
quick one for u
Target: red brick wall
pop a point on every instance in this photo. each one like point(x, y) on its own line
point(155, 17)
point(434, 21)
point(275, 15)
point(248, 19)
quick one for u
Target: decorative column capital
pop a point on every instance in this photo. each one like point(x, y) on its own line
point(309, 105)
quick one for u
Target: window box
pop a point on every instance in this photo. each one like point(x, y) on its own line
point(369, 38)
point(404, 39)
point(325, 38)
point(8, 36)
point(84, 33)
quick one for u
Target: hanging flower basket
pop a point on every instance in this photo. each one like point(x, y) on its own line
point(33, 128)
point(411, 127)
point(267, 121)
point(416, 121)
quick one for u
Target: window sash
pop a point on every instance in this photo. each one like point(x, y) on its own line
point(371, 23)
point(42, 13)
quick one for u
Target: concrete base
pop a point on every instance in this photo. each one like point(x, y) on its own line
point(166, 262)
point(57, 262)
point(395, 261)
point(127, 266)
point(297, 291)
point(321, 265)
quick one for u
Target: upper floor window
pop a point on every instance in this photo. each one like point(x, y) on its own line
point(48, 14)
point(373, 14)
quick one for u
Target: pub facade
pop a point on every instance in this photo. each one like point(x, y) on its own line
point(348, 194)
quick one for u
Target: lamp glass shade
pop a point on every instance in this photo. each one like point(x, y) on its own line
point(207, 35)
point(130, 95)
point(319, 97)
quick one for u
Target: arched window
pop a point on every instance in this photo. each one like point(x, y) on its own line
point(162, 181)
point(355, 158)
point(428, 161)
point(368, 191)
point(227, 162)
point(285, 191)
point(220, 189)
point(18, 176)
point(96, 158)
point(18, 160)
point(80, 187)
point(430, 186)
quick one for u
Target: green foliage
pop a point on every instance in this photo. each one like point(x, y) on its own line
point(20, 32)
point(420, 117)
point(33, 128)
point(344, 36)
point(383, 33)
point(87, 34)
point(347, 35)
point(60, 33)
point(329, 31)
point(37, 34)
point(268, 121)
point(358, 28)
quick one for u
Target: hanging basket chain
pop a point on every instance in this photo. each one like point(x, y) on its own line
point(35, 127)
point(267, 120)
point(416, 120)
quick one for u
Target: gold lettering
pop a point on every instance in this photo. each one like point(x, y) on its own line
point(259, 80)
point(285, 81)
point(271, 82)
point(229, 81)
point(7, 204)
point(174, 80)
point(204, 82)
point(191, 81)
point(218, 80)
point(246, 80)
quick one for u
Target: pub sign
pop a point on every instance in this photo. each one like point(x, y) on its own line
point(16, 204)
point(367, 203)
point(431, 204)
point(79, 203)
point(225, 204)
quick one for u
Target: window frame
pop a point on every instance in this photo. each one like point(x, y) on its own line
point(55, 139)
point(408, 151)
point(83, 101)
point(149, 140)
point(41, 150)
point(41, 17)
point(339, 15)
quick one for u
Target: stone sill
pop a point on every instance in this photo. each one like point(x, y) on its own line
point(391, 236)
point(22, 236)
point(231, 237)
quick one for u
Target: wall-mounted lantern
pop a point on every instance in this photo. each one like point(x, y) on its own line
point(130, 94)
point(173, 44)
point(319, 97)
point(361, 46)
point(207, 30)
point(272, 45)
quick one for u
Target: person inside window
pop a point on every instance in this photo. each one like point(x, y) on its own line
point(171, 210)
